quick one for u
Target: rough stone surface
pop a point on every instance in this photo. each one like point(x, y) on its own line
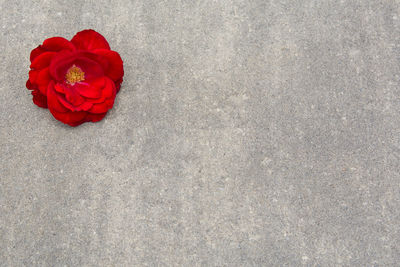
point(246, 133)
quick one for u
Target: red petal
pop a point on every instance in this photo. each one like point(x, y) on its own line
point(70, 98)
point(95, 117)
point(108, 93)
point(64, 60)
point(91, 68)
point(102, 107)
point(53, 44)
point(57, 44)
point(36, 52)
point(73, 97)
point(77, 123)
point(115, 69)
point(109, 89)
point(60, 112)
point(60, 88)
point(72, 118)
point(65, 103)
point(31, 86)
point(89, 40)
point(96, 100)
point(91, 90)
point(43, 79)
point(85, 106)
point(33, 76)
point(39, 99)
point(43, 60)
point(118, 84)
point(52, 100)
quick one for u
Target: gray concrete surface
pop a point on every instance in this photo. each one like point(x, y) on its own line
point(246, 133)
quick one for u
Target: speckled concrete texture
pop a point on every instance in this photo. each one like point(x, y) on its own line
point(246, 133)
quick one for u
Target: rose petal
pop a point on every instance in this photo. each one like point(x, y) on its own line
point(33, 76)
point(118, 84)
point(102, 107)
point(53, 44)
point(60, 88)
point(96, 100)
point(89, 40)
point(85, 106)
point(115, 69)
point(60, 112)
point(39, 99)
point(108, 92)
point(71, 99)
point(31, 86)
point(64, 60)
point(60, 63)
point(98, 58)
point(57, 44)
point(91, 68)
point(109, 89)
point(77, 123)
point(92, 89)
point(72, 118)
point(52, 100)
point(72, 96)
point(43, 60)
point(65, 103)
point(95, 117)
point(36, 52)
point(43, 79)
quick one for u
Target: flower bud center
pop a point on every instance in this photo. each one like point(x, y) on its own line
point(74, 75)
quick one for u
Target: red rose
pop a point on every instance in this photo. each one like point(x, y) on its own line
point(78, 79)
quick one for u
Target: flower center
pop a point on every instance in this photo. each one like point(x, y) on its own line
point(74, 75)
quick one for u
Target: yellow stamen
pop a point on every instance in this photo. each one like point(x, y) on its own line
point(74, 75)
